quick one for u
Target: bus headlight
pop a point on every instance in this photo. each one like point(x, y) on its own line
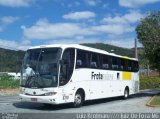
point(50, 93)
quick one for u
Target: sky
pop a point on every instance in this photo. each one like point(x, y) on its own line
point(26, 23)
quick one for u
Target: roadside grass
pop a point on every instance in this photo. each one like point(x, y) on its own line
point(149, 82)
point(8, 82)
point(154, 101)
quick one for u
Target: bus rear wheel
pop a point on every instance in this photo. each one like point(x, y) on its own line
point(126, 93)
point(78, 99)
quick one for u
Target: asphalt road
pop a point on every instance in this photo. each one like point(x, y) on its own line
point(134, 104)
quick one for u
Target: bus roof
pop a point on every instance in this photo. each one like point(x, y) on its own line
point(77, 46)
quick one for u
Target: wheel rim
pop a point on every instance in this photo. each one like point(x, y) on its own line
point(78, 99)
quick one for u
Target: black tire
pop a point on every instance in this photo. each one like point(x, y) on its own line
point(78, 99)
point(126, 93)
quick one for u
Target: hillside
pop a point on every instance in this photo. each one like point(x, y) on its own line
point(10, 60)
point(112, 49)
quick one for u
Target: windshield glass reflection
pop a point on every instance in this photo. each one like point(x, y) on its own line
point(40, 68)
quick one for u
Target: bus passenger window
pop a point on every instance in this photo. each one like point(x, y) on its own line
point(129, 66)
point(82, 59)
point(94, 64)
point(79, 63)
point(114, 63)
point(105, 62)
point(105, 66)
point(135, 66)
point(122, 64)
point(94, 60)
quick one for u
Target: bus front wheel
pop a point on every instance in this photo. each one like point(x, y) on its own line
point(78, 99)
point(126, 93)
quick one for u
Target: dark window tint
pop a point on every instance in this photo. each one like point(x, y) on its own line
point(122, 64)
point(82, 59)
point(135, 66)
point(67, 66)
point(129, 65)
point(115, 63)
point(105, 62)
point(86, 59)
point(94, 60)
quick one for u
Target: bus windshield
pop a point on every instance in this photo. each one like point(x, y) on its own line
point(40, 68)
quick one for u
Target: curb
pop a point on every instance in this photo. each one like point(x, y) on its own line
point(4, 92)
point(149, 101)
point(8, 94)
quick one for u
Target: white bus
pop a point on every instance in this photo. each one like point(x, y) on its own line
point(56, 74)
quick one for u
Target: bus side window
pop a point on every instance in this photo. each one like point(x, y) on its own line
point(93, 64)
point(135, 67)
point(79, 63)
point(105, 62)
point(94, 60)
point(82, 59)
point(122, 64)
point(115, 65)
point(129, 66)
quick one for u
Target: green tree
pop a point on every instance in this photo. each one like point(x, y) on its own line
point(148, 33)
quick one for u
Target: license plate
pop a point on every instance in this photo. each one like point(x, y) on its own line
point(34, 99)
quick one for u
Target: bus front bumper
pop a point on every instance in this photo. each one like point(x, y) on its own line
point(38, 99)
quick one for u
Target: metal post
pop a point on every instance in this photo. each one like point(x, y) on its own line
point(136, 52)
point(147, 69)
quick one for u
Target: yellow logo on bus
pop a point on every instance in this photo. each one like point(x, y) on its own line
point(127, 76)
